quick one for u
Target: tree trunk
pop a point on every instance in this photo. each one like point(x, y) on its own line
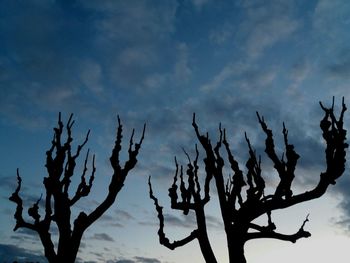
point(203, 239)
point(235, 243)
point(236, 251)
point(206, 249)
point(66, 255)
point(70, 249)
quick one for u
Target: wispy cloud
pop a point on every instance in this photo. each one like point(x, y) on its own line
point(222, 34)
point(330, 19)
point(91, 76)
point(199, 4)
point(138, 260)
point(103, 237)
point(267, 24)
point(146, 260)
point(182, 70)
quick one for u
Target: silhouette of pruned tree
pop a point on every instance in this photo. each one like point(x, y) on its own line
point(60, 164)
point(239, 209)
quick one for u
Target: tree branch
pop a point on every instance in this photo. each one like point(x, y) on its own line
point(119, 175)
point(271, 153)
point(335, 137)
point(83, 189)
point(268, 233)
point(256, 188)
point(237, 182)
point(162, 237)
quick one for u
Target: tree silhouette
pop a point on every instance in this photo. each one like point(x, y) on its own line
point(239, 209)
point(60, 165)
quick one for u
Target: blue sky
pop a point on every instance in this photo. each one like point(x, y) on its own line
point(158, 62)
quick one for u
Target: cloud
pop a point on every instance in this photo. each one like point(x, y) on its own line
point(339, 68)
point(11, 253)
point(199, 4)
point(119, 215)
point(331, 18)
point(253, 79)
point(138, 259)
point(155, 81)
point(134, 43)
point(227, 72)
point(182, 70)
point(267, 24)
point(221, 34)
point(103, 237)
point(25, 235)
point(146, 260)
point(53, 69)
point(9, 183)
point(187, 222)
point(244, 76)
point(330, 21)
point(120, 218)
point(268, 33)
point(123, 215)
point(342, 187)
point(110, 220)
point(91, 75)
point(298, 73)
point(131, 65)
point(135, 20)
point(47, 78)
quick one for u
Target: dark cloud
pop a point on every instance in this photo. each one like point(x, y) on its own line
point(9, 183)
point(27, 231)
point(103, 237)
point(146, 260)
point(31, 37)
point(123, 215)
point(342, 187)
point(152, 20)
point(99, 255)
point(138, 260)
point(340, 68)
point(172, 220)
point(11, 253)
point(57, 71)
point(118, 219)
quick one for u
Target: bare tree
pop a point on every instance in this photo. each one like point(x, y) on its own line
point(239, 209)
point(60, 165)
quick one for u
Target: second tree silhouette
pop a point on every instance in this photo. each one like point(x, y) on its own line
point(239, 209)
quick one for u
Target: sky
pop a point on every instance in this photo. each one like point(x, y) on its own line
point(158, 62)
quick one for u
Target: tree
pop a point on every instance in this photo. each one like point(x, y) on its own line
point(60, 166)
point(239, 209)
